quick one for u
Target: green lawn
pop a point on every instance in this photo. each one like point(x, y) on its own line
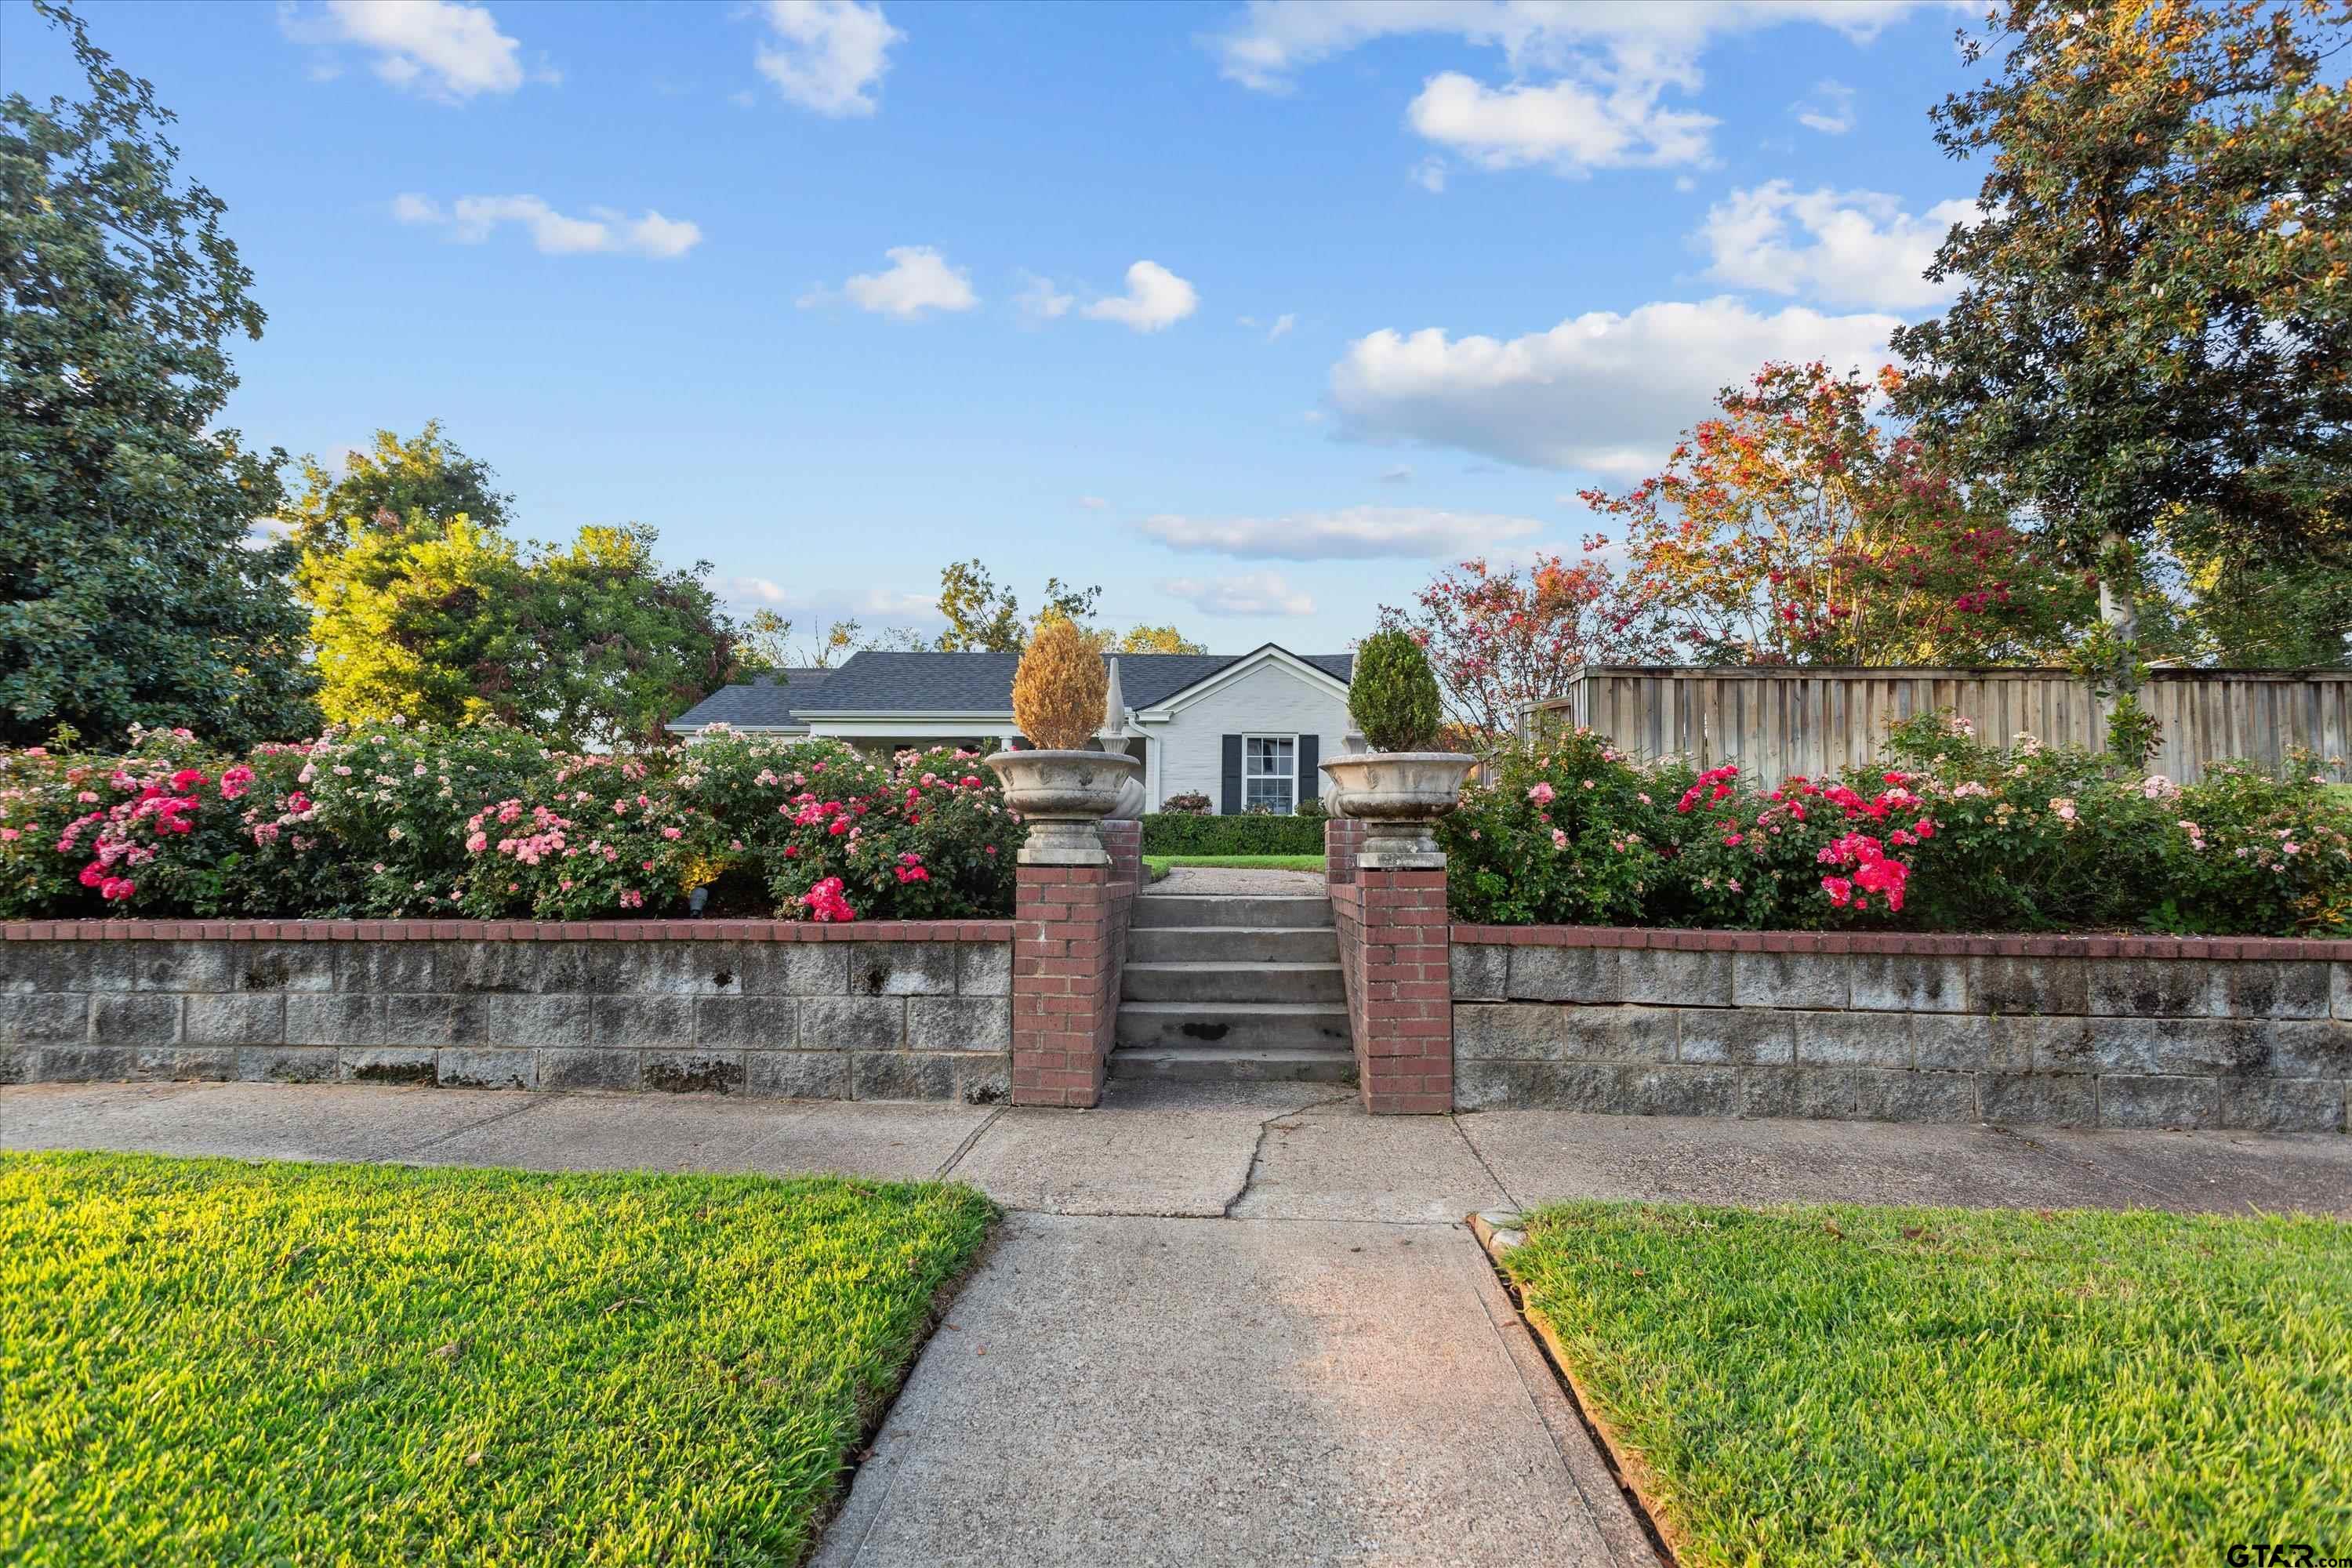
point(1867, 1385)
point(1158, 866)
point(211, 1361)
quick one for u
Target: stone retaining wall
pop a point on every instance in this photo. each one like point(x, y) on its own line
point(883, 1010)
point(2072, 1031)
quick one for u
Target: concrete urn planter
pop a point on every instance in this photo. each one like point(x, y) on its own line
point(1396, 796)
point(1064, 797)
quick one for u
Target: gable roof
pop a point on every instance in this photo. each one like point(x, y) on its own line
point(764, 702)
point(983, 682)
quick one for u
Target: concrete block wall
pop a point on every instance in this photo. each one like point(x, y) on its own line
point(2069, 1031)
point(886, 1010)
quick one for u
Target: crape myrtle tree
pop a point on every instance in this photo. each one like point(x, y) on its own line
point(1499, 638)
point(2150, 344)
point(132, 588)
point(1795, 526)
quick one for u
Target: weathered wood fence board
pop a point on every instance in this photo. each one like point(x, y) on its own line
point(1778, 721)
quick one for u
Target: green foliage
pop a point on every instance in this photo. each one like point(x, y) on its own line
point(1818, 1386)
point(425, 476)
point(128, 593)
point(1186, 833)
point(983, 618)
point(1946, 834)
point(213, 1362)
point(1394, 696)
point(2152, 330)
point(452, 622)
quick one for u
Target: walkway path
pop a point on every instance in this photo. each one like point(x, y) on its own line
point(1222, 1325)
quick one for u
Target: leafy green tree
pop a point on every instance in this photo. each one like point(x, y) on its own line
point(2153, 336)
point(130, 588)
point(425, 475)
point(1151, 639)
point(622, 646)
point(984, 618)
point(589, 645)
point(426, 625)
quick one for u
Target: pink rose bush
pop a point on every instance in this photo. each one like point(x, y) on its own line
point(390, 821)
point(1946, 834)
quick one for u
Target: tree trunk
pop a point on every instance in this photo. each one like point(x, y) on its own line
point(2118, 610)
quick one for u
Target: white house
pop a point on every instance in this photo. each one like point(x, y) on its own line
point(1246, 730)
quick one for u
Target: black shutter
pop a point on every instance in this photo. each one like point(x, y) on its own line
point(1310, 782)
point(1232, 805)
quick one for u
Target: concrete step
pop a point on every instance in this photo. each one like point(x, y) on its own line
point(1215, 983)
point(1230, 910)
point(1232, 944)
point(1191, 1064)
point(1235, 1026)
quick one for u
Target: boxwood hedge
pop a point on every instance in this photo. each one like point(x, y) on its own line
point(1175, 833)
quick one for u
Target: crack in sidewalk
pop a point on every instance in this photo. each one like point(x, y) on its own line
point(1454, 1120)
point(1257, 1150)
point(532, 1098)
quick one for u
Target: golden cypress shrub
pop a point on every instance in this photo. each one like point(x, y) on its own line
point(1060, 689)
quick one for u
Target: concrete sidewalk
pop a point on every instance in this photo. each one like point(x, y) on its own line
point(1223, 1325)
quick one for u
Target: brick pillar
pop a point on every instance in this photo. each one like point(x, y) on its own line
point(1403, 997)
point(1389, 909)
point(1123, 842)
point(1069, 942)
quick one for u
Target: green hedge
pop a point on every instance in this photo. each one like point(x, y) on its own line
point(1176, 832)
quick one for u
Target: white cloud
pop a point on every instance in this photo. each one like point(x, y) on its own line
point(1251, 593)
point(1567, 125)
point(1155, 297)
point(1430, 176)
point(1840, 247)
point(1401, 474)
point(1602, 392)
point(1041, 301)
point(1273, 40)
point(470, 220)
point(443, 48)
point(917, 279)
point(1282, 327)
point(1355, 533)
point(1586, 76)
point(1092, 503)
point(1828, 109)
point(826, 54)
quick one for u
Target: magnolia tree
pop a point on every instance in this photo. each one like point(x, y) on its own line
point(1500, 638)
point(1795, 528)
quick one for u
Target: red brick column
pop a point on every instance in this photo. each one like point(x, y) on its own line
point(1069, 944)
point(1123, 842)
point(1402, 995)
point(1394, 952)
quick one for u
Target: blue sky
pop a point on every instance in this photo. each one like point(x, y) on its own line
point(1255, 315)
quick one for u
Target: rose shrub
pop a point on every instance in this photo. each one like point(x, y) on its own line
point(1945, 833)
point(487, 822)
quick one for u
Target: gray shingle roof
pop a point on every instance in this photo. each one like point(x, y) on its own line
point(764, 702)
point(955, 683)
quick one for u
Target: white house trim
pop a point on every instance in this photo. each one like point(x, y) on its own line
point(1169, 706)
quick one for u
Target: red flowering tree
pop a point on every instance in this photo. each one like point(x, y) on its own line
point(1795, 528)
point(1499, 638)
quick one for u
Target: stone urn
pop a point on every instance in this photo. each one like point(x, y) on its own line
point(1064, 797)
point(1396, 796)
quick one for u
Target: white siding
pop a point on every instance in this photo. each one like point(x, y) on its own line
point(1272, 700)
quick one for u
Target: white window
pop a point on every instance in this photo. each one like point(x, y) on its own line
point(1270, 773)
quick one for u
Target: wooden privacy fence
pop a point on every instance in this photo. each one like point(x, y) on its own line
point(1777, 722)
